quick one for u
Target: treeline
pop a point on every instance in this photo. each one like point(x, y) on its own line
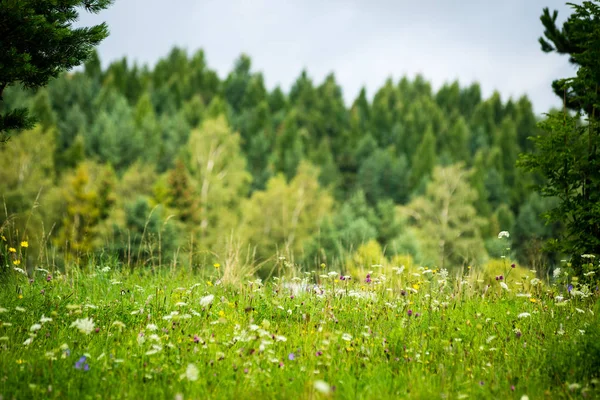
point(173, 165)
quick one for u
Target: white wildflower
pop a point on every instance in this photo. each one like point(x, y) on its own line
point(105, 269)
point(20, 270)
point(579, 310)
point(151, 327)
point(155, 349)
point(207, 300)
point(588, 256)
point(35, 327)
point(3, 310)
point(118, 324)
point(85, 325)
point(504, 286)
point(503, 234)
point(191, 373)
point(556, 273)
point(347, 337)
point(180, 304)
point(535, 281)
point(489, 339)
point(28, 341)
point(20, 309)
point(524, 315)
point(45, 319)
point(589, 273)
point(322, 387)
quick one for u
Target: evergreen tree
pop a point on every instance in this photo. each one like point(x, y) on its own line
point(38, 42)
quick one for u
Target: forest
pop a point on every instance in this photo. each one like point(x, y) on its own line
point(172, 165)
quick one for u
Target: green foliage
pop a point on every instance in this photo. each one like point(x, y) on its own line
point(449, 227)
point(39, 42)
point(200, 147)
point(280, 219)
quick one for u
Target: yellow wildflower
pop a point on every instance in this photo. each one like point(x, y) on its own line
point(533, 300)
point(217, 265)
point(24, 244)
point(3, 237)
point(221, 313)
point(12, 249)
point(415, 286)
point(209, 283)
point(17, 262)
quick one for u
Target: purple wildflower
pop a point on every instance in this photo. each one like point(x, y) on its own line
point(319, 353)
point(48, 278)
point(82, 364)
point(410, 313)
point(513, 265)
point(291, 357)
point(569, 288)
point(368, 279)
point(196, 339)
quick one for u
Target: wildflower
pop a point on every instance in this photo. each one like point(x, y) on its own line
point(569, 288)
point(217, 266)
point(513, 265)
point(347, 337)
point(410, 313)
point(503, 234)
point(3, 237)
point(28, 341)
point(207, 300)
point(20, 270)
point(322, 387)
point(504, 286)
point(45, 319)
point(82, 364)
point(319, 353)
point(196, 339)
point(118, 324)
point(524, 315)
point(48, 278)
point(85, 325)
point(12, 250)
point(533, 300)
point(556, 273)
point(151, 327)
point(291, 357)
point(191, 373)
point(35, 327)
point(17, 262)
point(368, 278)
point(24, 244)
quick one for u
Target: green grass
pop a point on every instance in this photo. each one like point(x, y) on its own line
point(262, 341)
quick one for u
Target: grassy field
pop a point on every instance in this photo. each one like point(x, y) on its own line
point(106, 333)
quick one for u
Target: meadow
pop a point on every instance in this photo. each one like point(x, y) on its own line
point(101, 331)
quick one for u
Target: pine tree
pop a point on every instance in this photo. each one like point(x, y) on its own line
point(38, 42)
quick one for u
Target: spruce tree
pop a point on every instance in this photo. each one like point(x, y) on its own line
point(38, 42)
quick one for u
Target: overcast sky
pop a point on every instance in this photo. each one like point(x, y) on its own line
point(362, 41)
